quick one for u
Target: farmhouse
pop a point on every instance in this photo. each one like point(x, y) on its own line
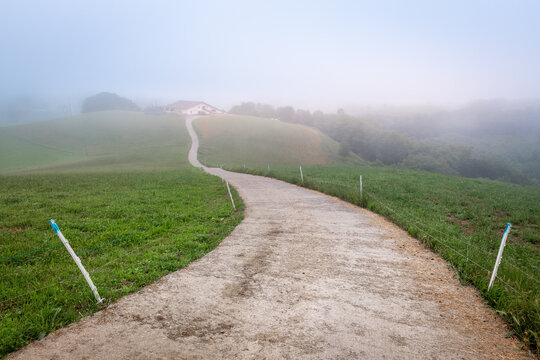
point(192, 108)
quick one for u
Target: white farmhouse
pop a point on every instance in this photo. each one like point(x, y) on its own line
point(192, 108)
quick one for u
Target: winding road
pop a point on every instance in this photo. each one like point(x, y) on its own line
point(304, 276)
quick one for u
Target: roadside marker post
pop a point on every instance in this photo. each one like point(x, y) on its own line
point(360, 186)
point(230, 195)
point(268, 166)
point(499, 255)
point(76, 259)
point(301, 175)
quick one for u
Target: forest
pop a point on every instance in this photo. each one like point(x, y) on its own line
point(386, 140)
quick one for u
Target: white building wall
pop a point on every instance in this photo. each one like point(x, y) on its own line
point(195, 110)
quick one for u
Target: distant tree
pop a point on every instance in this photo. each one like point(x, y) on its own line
point(303, 117)
point(267, 111)
point(428, 162)
point(344, 148)
point(254, 109)
point(108, 101)
point(245, 108)
point(154, 110)
point(393, 148)
point(285, 113)
point(383, 146)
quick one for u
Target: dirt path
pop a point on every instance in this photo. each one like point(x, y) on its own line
point(303, 276)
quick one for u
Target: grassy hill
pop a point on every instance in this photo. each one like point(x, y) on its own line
point(462, 219)
point(121, 189)
point(99, 140)
point(261, 141)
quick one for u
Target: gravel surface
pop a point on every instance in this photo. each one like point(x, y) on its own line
point(304, 276)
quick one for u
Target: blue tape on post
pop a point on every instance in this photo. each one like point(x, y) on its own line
point(507, 226)
point(54, 226)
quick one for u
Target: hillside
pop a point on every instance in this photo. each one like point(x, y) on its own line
point(507, 131)
point(119, 186)
point(112, 139)
point(256, 141)
point(461, 219)
point(371, 140)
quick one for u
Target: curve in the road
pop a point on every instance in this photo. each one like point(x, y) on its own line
point(304, 276)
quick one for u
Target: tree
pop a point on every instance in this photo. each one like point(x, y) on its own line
point(286, 113)
point(108, 101)
point(344, 148)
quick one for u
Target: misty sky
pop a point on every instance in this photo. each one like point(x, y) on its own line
point(314, 54)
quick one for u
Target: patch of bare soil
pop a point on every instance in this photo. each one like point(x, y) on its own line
point(465, 225)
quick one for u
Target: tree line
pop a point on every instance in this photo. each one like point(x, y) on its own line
point(386, 147)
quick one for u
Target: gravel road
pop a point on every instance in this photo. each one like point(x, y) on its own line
point(304, 276)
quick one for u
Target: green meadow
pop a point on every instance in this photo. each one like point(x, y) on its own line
point(119, 186)
point(262, 142)
point(462, 219)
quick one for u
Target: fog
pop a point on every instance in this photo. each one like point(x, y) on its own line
point(311, 54)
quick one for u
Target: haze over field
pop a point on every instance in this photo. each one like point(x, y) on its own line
point(460, 73)
point(311, 54)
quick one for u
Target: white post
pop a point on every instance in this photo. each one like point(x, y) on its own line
point(76, 259)
point(360, 185)
point(301, 175)
point(244, 165)
point(268, 166)
point(499, 255)
point(230, 195)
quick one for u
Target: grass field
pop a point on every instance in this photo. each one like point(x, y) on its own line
point(98, 141)
point(259, 142)
point(461, 219)
point(126, 199)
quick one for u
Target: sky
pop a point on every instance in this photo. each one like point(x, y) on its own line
point(310, 54)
